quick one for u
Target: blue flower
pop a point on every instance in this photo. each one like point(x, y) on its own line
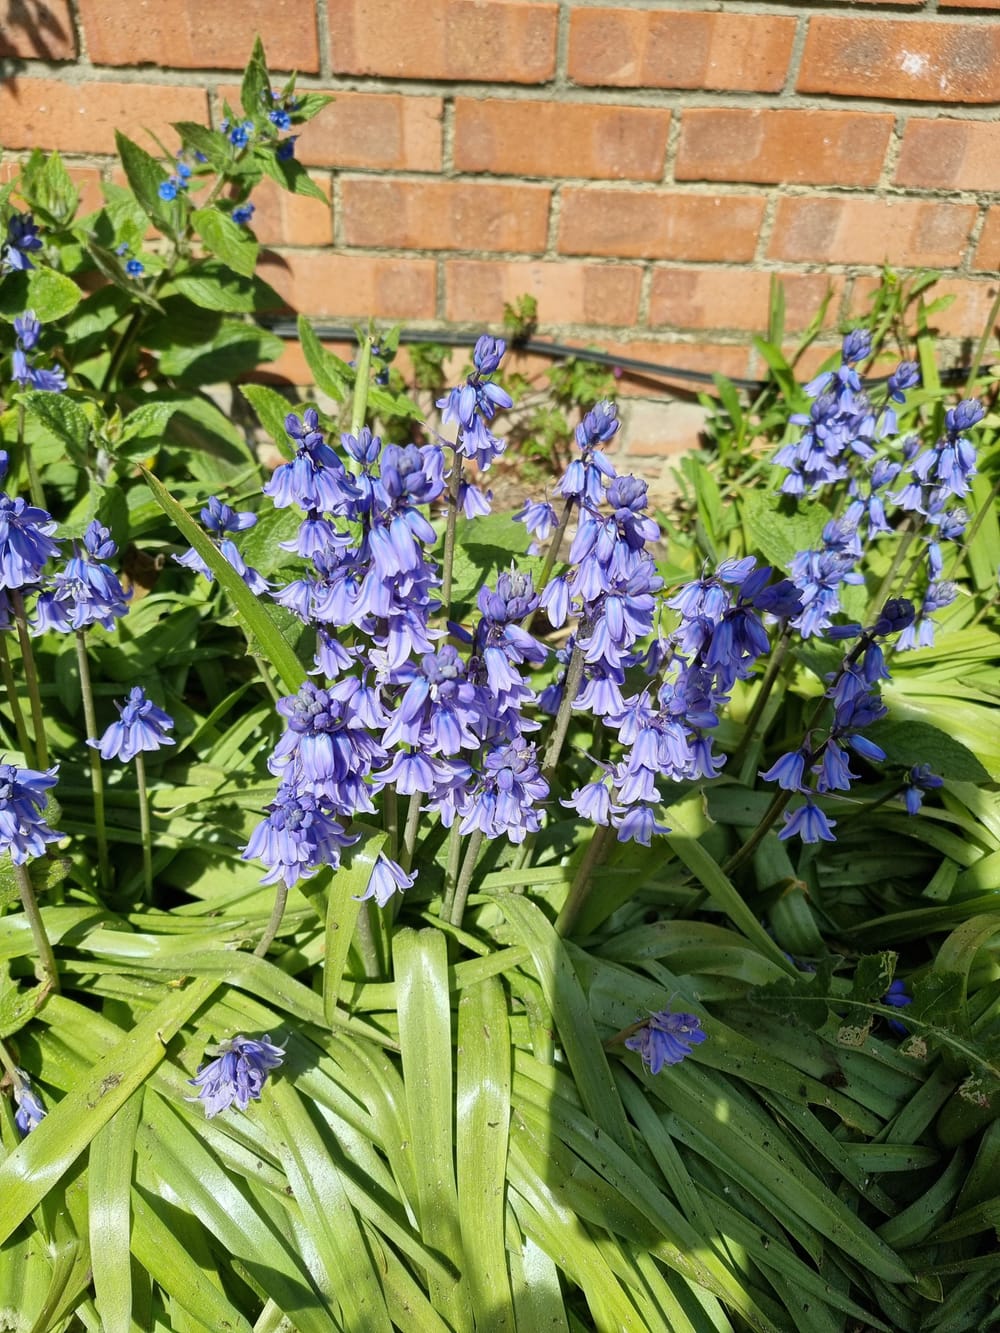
point(297, 837)
point(237, 1074)
point(286, 151)
point(810, 823)
point(135, 268)
point(239, 135)
point(897, 998)
point(167, 190)
point(30, 1110)
point(141, 727)
point(25, 543)
point(243, 213)
point(23, 831)
point(22, 239)
point(87, 592)
point(666, 1039)
point(24, 372)
point(919, 780)
point(387, 878)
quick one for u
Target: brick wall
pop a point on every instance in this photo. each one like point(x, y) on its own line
point(640, 168)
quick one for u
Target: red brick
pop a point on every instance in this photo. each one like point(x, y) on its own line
point(950, 155)
point(44, 113)
point(969, 4)
point(988, 250)
point(782, 146)
point(377, 131)
point(912, 233)
point(509, 41)
point(718, 298)
point(191, 34)
point(86, 179)
point(560, 139)
point(644, 224)
point(444, 215)
point(567, 292)
point(968, 312)
point(901, 58)
point(633, 48)
point(323, 284)
point(281, 218)
point(291, 367)
point(37, 31)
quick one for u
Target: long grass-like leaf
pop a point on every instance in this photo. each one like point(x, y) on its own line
point(109, 1190)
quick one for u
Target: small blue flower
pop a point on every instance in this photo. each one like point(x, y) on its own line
point(135, 268)
point(167, 190)
point(810, 823)
point(243, 213)
point(897, 998)
point(25, 543)
point(22, 238)
point(239, 135)
point(23, 831)
point(141, 726)
point(286, 150)
point(30, 1110)
point(919, 780)
point(666, 1039)
point(237, 1074)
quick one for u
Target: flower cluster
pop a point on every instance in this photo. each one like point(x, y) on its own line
point(23, 831)
point(24, 372)
point(87, 591)
point(474, 404)
point(221, 521)
point(141, 727)
point(666, 1038)
point(237, 1075)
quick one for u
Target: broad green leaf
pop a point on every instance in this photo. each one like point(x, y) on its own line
point(913, 742)
point(210, 143)
point(290, 174)
point(255, 92)
point(214, 286)
point(272, 408)
point(51, 294)
point(145, 175)
point(62, 416)
point(253, 611)
point(330, 374)
point(233, 244)
point(235, 349)
point(779, 528)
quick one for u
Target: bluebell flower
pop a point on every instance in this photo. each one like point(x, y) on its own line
point(594, 801)
point(638, 824)
point(387, 879)
point(508, 796)
point(243, 213)
point(141, 726)
point(87, 592)
point(539, 517)
point(23, 370)
point(25, 542)
point(30, 1109)
point(237, 1074)
point(22, 240)
point(23, 831)
point(586, 477)
point(221, 520)
point(920, 634)
point(897, 997)
point(919, 780)
point(315, 478)
point(297, 837)
point(809, 823)
point(474, 404)
point(666, 1039)
point(328, 748)
point(788, 772)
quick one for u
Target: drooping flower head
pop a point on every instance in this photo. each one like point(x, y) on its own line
point(474, 404)
point(22, 240)
point(141, 727)
point(25, 542)
point(30, 1109)
point(666, 1039)
point(88, 591)
point(237, 1074)
point(23, 831)
point(897, 998)
point(23, 369)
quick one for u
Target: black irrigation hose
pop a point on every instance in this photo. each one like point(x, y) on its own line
point(645, 370)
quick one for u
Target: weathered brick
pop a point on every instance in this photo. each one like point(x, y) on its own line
point(969, 310)
point(320, 283)
point(901, 58)
point(444, 215)
point(281, 218)
point(642, 224)
point(560, 139)
point(718, 298)
point(567, 292)
point(644, 48)
point(950, 154)
point(969, 4)
point(509, 41)
point(782, 146)
point(988, 250)
point(191, 34)
point(849, 230)
point(82, 118)
point(371, 131)
point(37, 31)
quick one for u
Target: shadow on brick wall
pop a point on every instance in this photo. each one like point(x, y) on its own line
point(33, 29)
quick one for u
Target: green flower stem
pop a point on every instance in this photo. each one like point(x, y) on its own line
point(30, 678)
point(580, 888)
point(45, 967)
point(465, 878)
point(265, 675)
point(451, 870)
point(451, 527)
point(144, 828)
point(274, 924)
point(96, 773)
point(410, 831)
point(14, 700)
point(34, 480)
point(909, 532)
point(987, 507)
point(359, 405)
point(8, 1062)
point(390, 813)
point(552, 554)
point(574, 674)
point(763, 694)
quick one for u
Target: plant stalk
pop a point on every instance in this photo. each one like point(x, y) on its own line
point(465, 878)
point(13, 698)
point(96, 772)
point(30, 678)
point(410, 831)
point(144, 828)
point(359, 403)
point(45, 969)
point(551, 555)
point(580, 888)
point(574, 674)
point(451, 527)
point(35, 489)
point(763, 694)
point(451, 870)
point(274, 924)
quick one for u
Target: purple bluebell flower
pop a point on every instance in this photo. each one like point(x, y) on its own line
point(315, 478)
point(22, 240)
point(809, 823)
point(328, 747)
point(23, 831)
point(141, 726)
point(666, 1039)
point(237, 1074)
point(897, 998)
point(30, 1109)
point(297, 837)
point(387, 879)
point(220, 520)
point(919, 780)
point(539, 517)
point(638, 824)
point(25, 542)
point(508, 795)
point(586, 477)
point(920, 634)
point(474, 404)
point(23, 370)
point(788, 772)
point(594, 801)
point(87, 592)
